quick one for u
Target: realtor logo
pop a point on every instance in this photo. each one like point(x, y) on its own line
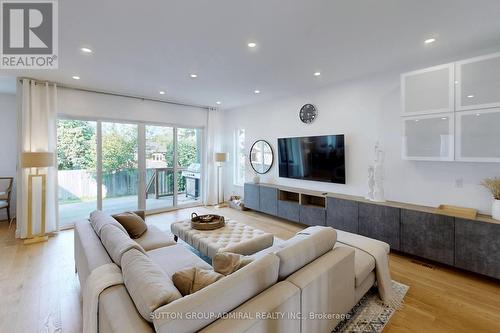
point(29, 34)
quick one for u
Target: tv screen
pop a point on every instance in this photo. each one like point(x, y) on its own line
point(319, 158)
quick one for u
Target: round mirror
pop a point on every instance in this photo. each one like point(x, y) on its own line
point(261, 156)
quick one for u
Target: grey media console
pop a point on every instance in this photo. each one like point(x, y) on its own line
point(473, 245)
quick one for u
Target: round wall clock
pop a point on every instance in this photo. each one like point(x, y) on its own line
point(308, 113)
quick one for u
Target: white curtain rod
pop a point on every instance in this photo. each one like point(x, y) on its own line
point(113, 93)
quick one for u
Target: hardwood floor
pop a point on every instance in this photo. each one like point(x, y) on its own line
point(39, 291)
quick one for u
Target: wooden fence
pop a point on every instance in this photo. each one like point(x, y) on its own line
point(82, 184)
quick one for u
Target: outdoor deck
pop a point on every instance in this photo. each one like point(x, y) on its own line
point(71, 212)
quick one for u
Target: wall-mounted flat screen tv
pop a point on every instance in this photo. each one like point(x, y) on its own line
point(318, 158)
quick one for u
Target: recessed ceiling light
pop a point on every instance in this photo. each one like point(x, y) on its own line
point(86, 50)
point(193, 76)
point(162, 92)
point(252, 45)
point(218, 103)
point(256, 91)
point(478, 114)
point(456, 82)
point(444, 118)
point(317, 73)
point(76, 77)
point(470, 96)
point(417, 120)
point(429, 40)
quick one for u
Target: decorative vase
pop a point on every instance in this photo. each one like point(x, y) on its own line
point(495, 210)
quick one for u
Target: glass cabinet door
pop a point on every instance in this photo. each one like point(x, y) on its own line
point(478, 83)
point(478, 135)
point(427, 91)
point(429, 137)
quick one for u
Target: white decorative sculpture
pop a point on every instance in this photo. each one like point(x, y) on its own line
point(371, 183)
point(378, 174)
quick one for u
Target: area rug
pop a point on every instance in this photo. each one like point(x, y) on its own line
point(370, 315)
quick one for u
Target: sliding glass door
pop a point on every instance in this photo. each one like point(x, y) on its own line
point(159, 167)
point(188, 165)
point(119, 165)
point(77, 173)
point(116, 167)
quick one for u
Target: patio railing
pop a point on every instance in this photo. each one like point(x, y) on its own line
point(161, 182)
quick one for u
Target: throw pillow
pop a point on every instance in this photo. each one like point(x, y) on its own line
point(226, 263)
point(190, 280)
point(133, 223)
point(99, 219)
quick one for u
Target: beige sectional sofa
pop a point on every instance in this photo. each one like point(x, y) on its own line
point(304, 284)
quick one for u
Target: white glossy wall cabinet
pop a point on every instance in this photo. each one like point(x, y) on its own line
point(478, 135)
point(430, 90)
point(429, 137)
point(452, 112)
point(478, 83)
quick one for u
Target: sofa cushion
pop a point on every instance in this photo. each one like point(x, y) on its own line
point(218, 298)
point(174, 258)
point(365, 285)
point(117, 242)
point(132, 222)
point(350, 238)
point(364, 264)
point(118, 313)
point(226, 263)
point(304, 247)
point(154, 238)
point(190, 280)
point(89, 252)
point(99, 219)
point(146, 283)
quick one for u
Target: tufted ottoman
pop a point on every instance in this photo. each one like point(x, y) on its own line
point(234, 237)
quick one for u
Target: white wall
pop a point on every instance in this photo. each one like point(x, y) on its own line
point(8, 139)
point(365, 111)
point(94, 105)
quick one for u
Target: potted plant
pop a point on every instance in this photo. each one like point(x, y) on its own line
point(493, 184)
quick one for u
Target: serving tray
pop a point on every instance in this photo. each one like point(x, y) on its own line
point(207, 222)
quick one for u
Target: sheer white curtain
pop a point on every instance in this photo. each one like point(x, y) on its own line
point(37, 116)
point(213, 141)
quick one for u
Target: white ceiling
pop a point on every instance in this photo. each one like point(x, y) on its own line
point(142, 47)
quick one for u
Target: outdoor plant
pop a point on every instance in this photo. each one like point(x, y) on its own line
point(492, 184)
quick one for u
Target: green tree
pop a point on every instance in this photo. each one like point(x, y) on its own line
point(119, 145)
point(75, 145)
point(160, 140)
point(187, 152)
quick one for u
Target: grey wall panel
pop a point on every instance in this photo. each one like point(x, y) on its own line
point(342, 214)
point(427, 235)
point(380, 222)
point(477, 247)
point(252, 196)
point(269, 200)
point(289, 210)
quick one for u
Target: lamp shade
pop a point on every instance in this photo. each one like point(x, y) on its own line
point(220, 157)
point(37, 159)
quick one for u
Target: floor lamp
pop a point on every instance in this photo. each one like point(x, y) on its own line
point(30, 160)
point(220, 158)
